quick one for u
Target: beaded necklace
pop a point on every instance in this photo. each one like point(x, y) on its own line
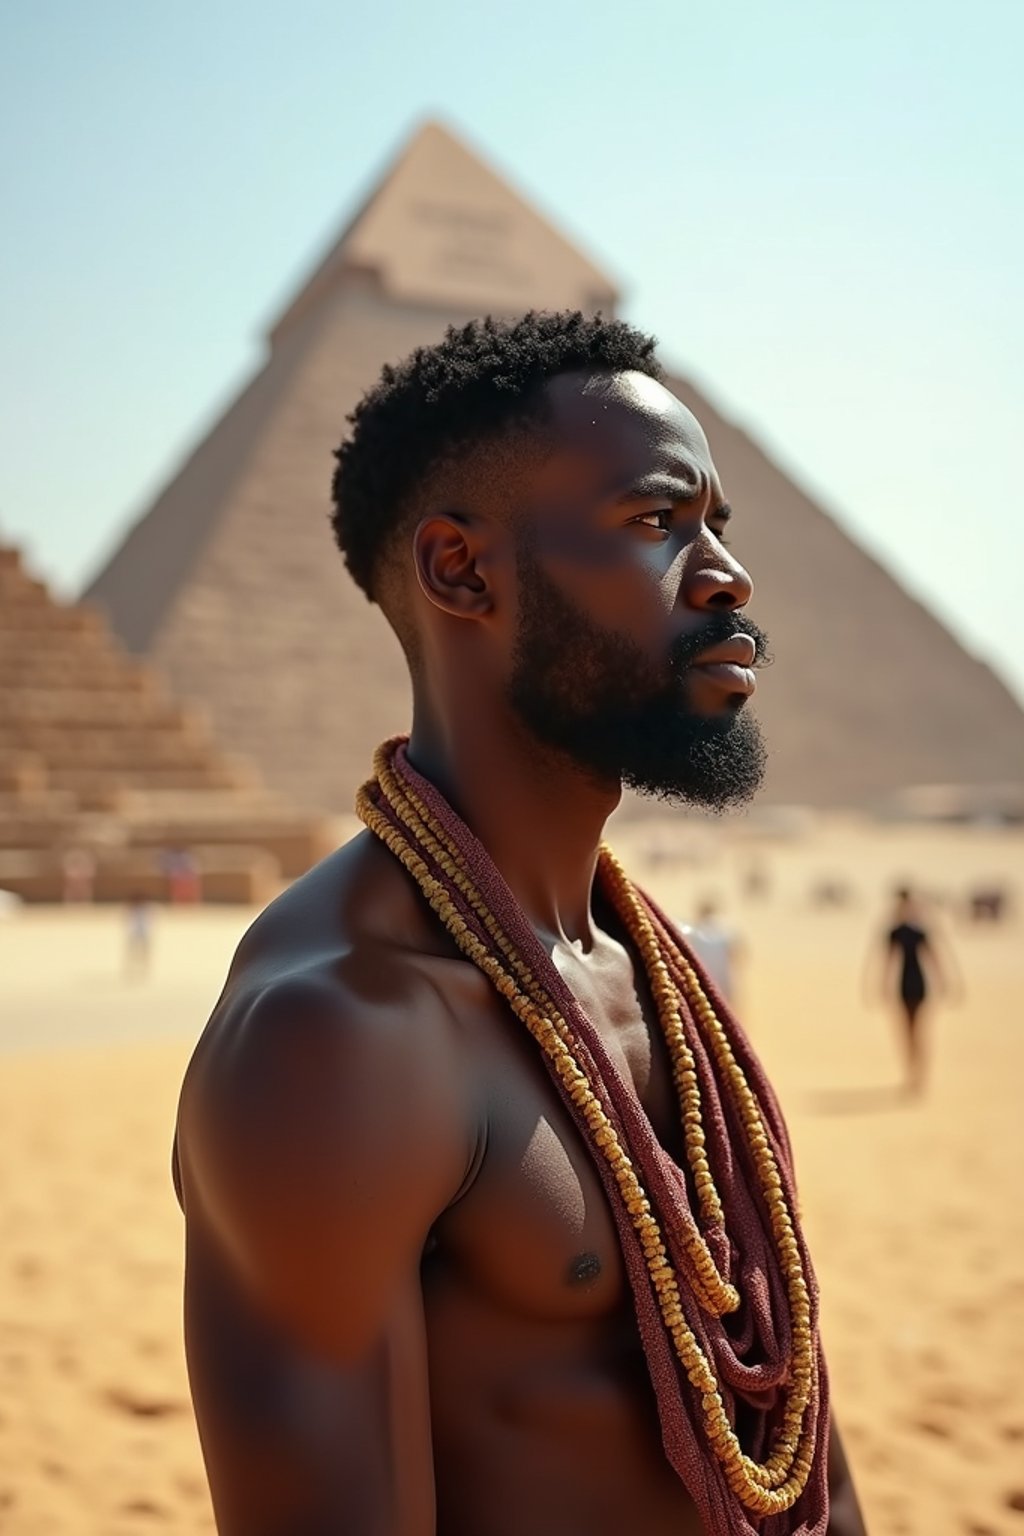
point(446, 862)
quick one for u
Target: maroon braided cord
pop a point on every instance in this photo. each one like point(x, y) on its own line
point(749, 1350)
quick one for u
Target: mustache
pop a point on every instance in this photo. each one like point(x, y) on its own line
point(716, 629)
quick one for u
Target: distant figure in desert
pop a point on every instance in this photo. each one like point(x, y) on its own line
point(138, 936)
point(184, 885)
point(913, 972)
point(78, 867)
point(718, 947)
point(756, 881)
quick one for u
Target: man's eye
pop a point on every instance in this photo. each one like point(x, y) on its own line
point(660, 520)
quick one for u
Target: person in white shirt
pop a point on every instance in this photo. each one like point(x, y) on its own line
point(717, 947)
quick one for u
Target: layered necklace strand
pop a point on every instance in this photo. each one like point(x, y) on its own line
point(765, 1488)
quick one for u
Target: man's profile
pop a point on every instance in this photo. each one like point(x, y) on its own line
point(491, 1223)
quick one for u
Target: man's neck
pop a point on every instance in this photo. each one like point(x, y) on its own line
point(539, 818)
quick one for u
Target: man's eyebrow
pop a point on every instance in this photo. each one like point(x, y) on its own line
point(669, 486)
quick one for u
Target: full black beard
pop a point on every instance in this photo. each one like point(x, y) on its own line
point(592, 695)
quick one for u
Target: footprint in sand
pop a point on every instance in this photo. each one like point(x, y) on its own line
point(190, 1486)
point(950, 1395)
point(142, 1407)
point(151, 1348)
point(144, 1507)
point(933, 1427)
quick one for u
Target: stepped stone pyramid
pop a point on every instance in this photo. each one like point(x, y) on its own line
point(231, 584)
point(96, 758)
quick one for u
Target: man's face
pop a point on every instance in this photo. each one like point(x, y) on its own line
point(631, 656)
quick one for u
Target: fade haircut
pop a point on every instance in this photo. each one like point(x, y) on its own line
point(482, 381)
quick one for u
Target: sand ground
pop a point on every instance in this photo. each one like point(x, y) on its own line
point(914, 1210)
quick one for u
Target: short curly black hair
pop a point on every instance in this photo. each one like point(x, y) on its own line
point(481, 380)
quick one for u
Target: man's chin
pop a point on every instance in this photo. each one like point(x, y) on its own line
point(662, 751)
point(717, 764)
point(693, 797)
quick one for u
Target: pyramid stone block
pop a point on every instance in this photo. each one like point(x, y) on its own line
point(96, 759)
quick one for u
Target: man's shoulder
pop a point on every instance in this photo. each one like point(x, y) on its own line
point(329, 996)
point(353, 929)
point(325, 1103)
point(323, 1055)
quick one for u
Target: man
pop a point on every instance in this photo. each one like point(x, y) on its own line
point(441, 1276)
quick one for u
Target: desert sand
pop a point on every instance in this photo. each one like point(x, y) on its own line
point(914, 1210)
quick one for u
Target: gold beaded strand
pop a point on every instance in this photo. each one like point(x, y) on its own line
point(552, 1025)
point(714, 1292)
point(638, 924)
point(765, 1488)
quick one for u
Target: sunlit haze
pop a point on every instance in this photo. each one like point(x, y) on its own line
point(817, 210)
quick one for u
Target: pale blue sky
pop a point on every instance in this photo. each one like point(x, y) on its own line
point(817, 207)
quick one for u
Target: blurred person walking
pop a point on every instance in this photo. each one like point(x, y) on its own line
point(138, 936)
point(912, 973)
point(184, 881)
point(718, 947)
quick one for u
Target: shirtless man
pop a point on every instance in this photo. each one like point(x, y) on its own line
point(406, 1305)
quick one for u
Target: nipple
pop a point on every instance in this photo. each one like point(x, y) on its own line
point(584, 1267)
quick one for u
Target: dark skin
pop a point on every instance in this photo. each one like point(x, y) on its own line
point(406, 1308)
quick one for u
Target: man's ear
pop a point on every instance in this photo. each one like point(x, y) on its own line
point(449, 552)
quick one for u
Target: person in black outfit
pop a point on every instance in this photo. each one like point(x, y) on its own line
point(913, 964)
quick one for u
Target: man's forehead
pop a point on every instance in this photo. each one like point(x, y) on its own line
point(624, 414)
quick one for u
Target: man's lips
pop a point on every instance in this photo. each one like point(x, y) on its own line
point(728, 665)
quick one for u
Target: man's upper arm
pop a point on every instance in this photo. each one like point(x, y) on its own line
point(318, 1140)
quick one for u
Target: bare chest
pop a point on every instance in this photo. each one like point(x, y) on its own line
point(534, 1235)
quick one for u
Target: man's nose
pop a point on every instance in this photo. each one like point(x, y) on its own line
point(714, 579)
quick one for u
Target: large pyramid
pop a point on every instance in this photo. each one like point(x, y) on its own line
point(231, 584)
